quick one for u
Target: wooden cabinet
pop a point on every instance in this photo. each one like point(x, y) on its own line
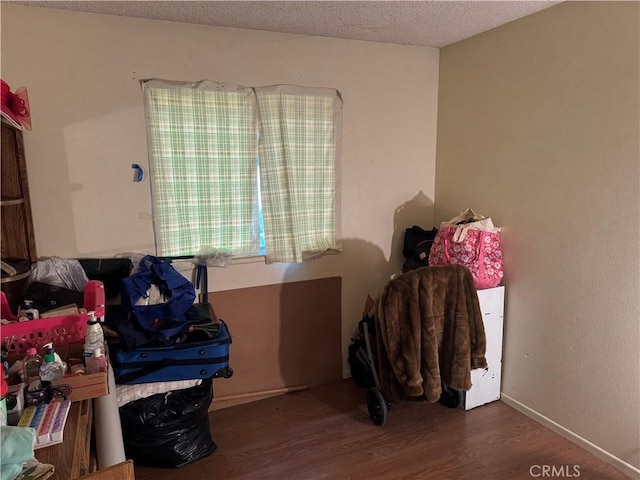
point(17, 242)
point(73, 458)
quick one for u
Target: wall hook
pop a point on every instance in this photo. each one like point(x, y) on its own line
point(138, 173)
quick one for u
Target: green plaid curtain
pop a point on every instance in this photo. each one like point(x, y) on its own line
point(298, 150)
point(203, 146)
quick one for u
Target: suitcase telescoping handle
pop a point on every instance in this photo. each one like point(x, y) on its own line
point(203, 286)
point(144, 368)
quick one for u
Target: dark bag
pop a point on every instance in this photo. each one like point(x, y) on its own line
point(47, 297)
point(166, 319)
point(127, 334)
point(359, 362)
point(417, 245)
point(203, 355)
point(168, 429)
point(110, 271)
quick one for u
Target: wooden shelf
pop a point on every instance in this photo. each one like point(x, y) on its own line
point(17, 224)
point(17, 238)
point(5, 202)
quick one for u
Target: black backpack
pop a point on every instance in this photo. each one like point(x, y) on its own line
point(417, 245)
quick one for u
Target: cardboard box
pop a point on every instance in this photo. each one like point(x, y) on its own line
point(84, 386)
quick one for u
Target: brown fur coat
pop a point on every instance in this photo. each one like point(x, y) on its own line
point(431, 330)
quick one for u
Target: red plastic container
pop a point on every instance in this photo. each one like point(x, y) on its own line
point(18, 337)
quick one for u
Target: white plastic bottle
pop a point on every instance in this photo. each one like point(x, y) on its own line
point(56, 357)
point(50, 370)
point(93, 338)
point(27, 312)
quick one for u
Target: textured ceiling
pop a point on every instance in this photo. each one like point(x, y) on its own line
point(425, 23)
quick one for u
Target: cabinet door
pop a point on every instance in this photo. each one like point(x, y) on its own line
point(485, 384)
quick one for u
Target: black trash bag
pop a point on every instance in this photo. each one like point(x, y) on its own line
point(169, 430)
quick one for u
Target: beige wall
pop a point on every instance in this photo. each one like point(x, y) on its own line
point(82, 72)
point(538, 125)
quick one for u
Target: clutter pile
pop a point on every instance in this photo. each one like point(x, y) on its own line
point(163, 348)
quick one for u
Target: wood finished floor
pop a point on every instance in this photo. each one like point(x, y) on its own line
point(326, 433)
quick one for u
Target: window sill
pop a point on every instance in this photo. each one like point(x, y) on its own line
point(243, 260)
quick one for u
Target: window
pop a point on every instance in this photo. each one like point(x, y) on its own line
point(230, 165)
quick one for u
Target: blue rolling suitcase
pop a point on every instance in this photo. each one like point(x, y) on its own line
point(184, 361)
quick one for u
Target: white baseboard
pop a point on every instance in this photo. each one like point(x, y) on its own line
point(624, 467)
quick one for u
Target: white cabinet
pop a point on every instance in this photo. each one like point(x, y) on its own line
point(486, 383)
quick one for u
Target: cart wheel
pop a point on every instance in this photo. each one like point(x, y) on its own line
point(377, 406)
point(228, 372)
point(451, 397)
